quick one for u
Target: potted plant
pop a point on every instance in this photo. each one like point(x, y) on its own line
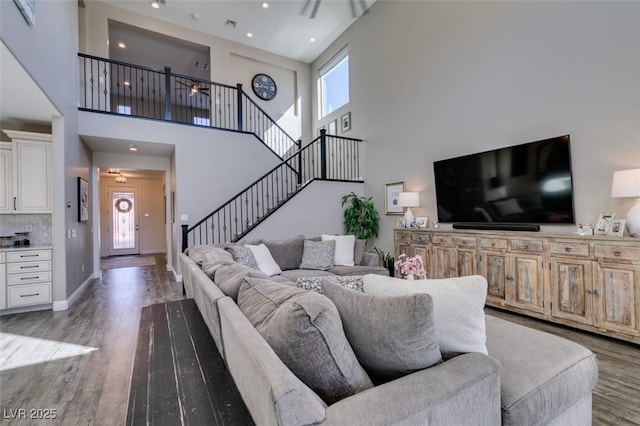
point(386, 260)
point(360, 217)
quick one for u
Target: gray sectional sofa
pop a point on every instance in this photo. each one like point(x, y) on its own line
point(527, 377)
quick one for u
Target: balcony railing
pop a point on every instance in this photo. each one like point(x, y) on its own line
point(119, 88)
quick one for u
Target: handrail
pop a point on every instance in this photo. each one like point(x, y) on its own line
point(327, 158)
point(121, 88)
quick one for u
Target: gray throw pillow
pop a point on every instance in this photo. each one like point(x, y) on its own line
point(304, 329)
point(287, 253)
point(351, 282)
point(318, 255)
point(391, 336)
point(201, 253)
point(243, 255)
point(358, 251)
point(229, 278)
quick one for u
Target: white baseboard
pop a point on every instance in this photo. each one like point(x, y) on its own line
point(176, 277)
point(63, 305)
point(156, 251)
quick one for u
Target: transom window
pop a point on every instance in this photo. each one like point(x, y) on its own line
point(333, 83)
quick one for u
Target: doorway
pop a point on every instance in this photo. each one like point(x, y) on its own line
point(123, 231)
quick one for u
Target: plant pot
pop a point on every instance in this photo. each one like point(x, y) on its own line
point(391, 267)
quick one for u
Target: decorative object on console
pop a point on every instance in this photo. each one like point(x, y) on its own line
point(617, 227)
point(422, 221)
point(604, 223)
point(408, 200)
point(410, 267)
point(626, 183)
point(391, 198)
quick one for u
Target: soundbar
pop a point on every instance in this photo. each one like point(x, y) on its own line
point(496, 226)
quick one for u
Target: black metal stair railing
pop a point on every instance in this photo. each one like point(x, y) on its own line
point(326, 158)
point(120, 88)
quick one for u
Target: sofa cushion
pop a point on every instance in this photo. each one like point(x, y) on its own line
point(229, 278)
point(304, 330)
point(353, 282)
point(358, 270)
point(358, 250)
point(318, 255)
point(458, 307)
point(345, 244)
point(295, 274)
point(199, 253)
point(266, 263)
point(287, 253)
point(542, 374)
point(391, 336)
point(243, 255)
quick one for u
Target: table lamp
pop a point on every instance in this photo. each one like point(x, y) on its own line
point(626, 183)
point(408, 200)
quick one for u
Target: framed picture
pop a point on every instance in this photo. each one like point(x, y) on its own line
point(421, 221)
point(400, 222)
point(604, 223)
point(332, 128)
point(83, 200)
point(345, 121)
point(617, 227)
point(391, 198)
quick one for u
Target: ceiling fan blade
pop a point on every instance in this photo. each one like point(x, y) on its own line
point(314, 12)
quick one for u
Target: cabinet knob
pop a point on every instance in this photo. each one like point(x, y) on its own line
point(526, 246)
point(589, 291)
point(596, 292)
point(567, 249)
point(617, 253)
point(509, 278)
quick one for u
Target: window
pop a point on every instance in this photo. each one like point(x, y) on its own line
point(333, 83)
point(201, 121)
point(124, 110)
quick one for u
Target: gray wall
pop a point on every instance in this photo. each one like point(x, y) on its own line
point(433, 80)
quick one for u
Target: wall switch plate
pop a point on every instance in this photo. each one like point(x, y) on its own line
point(73, 233)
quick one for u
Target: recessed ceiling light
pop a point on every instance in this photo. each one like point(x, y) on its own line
point(249, 35)
point(133, 148)
point(121, 45)
point(154, 4)
point(312, 39)
point(265, 5)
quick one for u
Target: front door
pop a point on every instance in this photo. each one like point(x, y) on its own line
point(123, 229)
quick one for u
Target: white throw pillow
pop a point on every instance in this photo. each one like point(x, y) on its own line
point(264, 260)
point(458, 307)
point(343, 255)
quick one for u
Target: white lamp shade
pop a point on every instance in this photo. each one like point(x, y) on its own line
point(409, 199)
point(626, 183)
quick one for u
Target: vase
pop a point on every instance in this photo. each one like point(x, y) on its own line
point(409, 277)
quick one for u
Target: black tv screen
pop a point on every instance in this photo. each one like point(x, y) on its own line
point(528, 183)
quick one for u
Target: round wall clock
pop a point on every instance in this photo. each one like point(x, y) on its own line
point(264, 87)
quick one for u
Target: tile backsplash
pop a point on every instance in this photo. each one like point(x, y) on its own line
point(40, 227)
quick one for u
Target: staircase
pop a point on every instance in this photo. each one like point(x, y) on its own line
point(119, 88)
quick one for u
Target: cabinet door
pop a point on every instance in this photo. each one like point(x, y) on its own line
point(616, 296)
point(466, 262)
point(526, 282)
point(32, 171)
point(571, 290)
point(494, 268)
point(3, 285)
point(6, 187)
point(443, 262)
point(423, 251)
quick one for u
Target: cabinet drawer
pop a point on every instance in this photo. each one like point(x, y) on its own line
point(16, 268)
point(403, 236)
point(574, 249)
point(464, 241)
point(32, 294)
point(420, 238)
point(529, 246)
point(442, 239)
point(28, 278)
point(617, 252)
point(28, 255)
point(496, 243)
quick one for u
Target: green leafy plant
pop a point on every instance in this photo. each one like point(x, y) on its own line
point(360, 217)
point(385, 258)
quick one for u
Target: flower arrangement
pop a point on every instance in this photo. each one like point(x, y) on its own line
point(410, 266)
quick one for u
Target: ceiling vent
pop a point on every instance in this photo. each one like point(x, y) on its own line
point(231, 23)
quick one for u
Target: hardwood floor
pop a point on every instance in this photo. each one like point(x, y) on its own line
point(79, 362)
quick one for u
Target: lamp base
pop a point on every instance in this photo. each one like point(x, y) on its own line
point(632, 221)
point(409, 218)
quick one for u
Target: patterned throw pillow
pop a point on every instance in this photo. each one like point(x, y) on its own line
point(318, 255)
point(244, 256)
point(351, 282)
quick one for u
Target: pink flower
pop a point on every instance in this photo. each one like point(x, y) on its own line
point(410, 266)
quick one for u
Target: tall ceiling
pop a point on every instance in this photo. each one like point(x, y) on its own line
point(284, 28)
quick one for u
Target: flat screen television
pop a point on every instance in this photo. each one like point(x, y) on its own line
point(529, 183)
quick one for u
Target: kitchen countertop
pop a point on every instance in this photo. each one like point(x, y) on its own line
point(31, 247)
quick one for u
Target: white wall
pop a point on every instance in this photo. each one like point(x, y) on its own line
point(433, 80)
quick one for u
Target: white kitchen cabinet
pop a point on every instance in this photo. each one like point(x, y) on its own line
point(30, 172)
point(6, 188)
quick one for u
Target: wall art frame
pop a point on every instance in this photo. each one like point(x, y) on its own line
point(391, 198)
point(83, 200)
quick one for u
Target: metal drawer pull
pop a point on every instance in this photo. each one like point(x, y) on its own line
point(29, 278)
point(30, 295)
point(526, 246)
point(567, 249)
point(29, 255)
point(509, 278)
point(617, 253)
point(30, 267)
point(589, 291)
point(595, 292)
